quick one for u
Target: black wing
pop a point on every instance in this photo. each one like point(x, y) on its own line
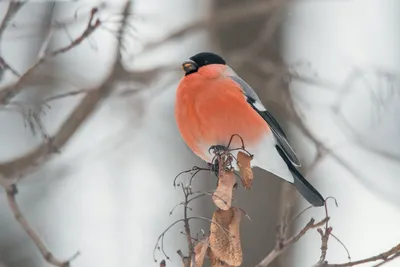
point(279, 134)
point(302, 185)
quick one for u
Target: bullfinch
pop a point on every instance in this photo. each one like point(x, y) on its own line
point(214, 104)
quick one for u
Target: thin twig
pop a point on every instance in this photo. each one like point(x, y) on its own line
point(12, 10)
point(20, 167)
point(389, 259)
point(385, 256)
point(343, 245)
point(11, 191)
point(67, 94)
point(161, 238)
point(7, 93)
point(325, 234)
point(281, 246)
point(187, 193)
point(5, 66)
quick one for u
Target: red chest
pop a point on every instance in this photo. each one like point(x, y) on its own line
point(209, 111)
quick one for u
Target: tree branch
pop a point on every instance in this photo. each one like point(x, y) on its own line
point(12, 10)
point(20, 167)
point(282, 245)
point(9, 92)
point(23, 165)
point(11, 191)
point(385, 257)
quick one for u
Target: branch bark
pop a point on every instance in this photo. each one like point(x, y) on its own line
point(384, 256)
point(282, 245)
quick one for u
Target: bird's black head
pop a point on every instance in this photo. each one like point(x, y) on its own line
point(201, 59)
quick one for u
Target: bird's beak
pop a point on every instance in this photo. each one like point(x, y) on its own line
point(189, 67)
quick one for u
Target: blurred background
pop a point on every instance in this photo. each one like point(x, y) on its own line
point(327, 69)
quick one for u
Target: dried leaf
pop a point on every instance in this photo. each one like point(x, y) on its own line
point(235, 249)
point(244, 164)
point(200, 251)
point(215, 262)
point(225, 236)
point(163, 263)
point(222, 197)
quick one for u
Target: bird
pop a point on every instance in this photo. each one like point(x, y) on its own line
point(213, 104)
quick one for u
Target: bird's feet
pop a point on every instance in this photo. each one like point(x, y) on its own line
point(214, 167)
point(217, 149)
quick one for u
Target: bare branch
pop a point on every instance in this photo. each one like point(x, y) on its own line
point(187, 193)
point(11, 191)
point(385, 256)
point(67, 94)
point(281, 246)
point(7, 93)
point(322, 151)
point(188, 29)
point(230, 14)
point(389, 259)
point(19, 167)
point(5, 66)
point(12, 10)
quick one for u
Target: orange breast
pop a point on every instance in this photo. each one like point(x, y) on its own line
point(210, 110)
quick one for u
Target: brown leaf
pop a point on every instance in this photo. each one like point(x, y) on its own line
point(235, 248)
point(215, 262)
point(244, 164)
point(163, 263)
point(225, 236)
point(222, 197)
point(200, 251)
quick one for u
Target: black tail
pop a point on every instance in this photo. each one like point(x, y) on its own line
point(302, 185)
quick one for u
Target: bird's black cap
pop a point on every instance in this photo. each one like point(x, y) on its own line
point(207, 58)
point(200, 60)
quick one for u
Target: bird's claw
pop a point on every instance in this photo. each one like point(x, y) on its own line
point(216, 148)
point(215, 167)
